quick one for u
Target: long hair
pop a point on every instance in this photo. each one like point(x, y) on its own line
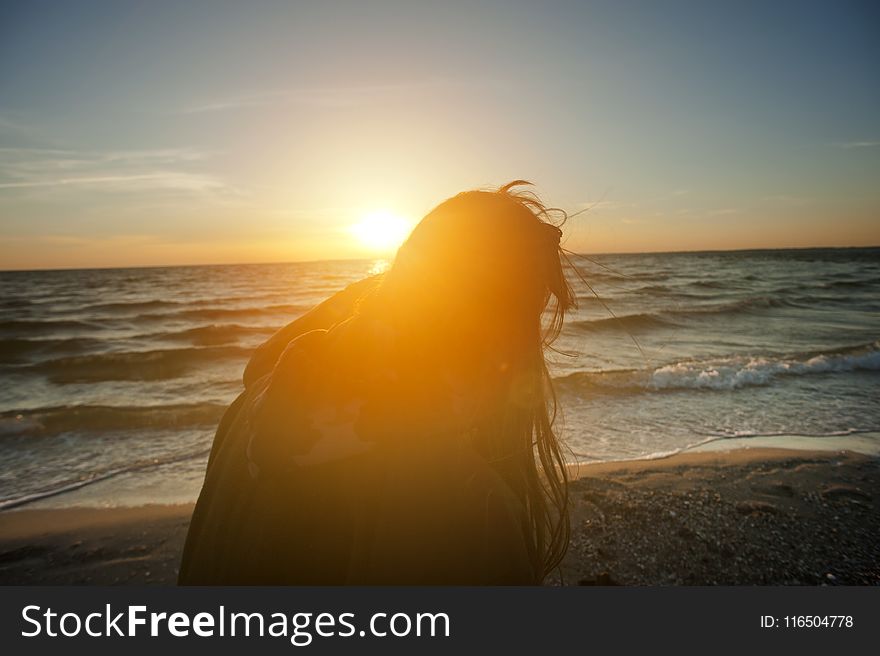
point(478, 291)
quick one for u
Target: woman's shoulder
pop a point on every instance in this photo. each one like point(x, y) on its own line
point(324, 315)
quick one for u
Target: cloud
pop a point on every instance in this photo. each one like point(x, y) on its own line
point(857, 144)
point(342, 96)
point(14, 126)
point(157, 180)
point(79, 241)
point(119, 170)
point(58, 157)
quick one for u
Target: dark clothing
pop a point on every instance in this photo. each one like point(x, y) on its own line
point(302, 491)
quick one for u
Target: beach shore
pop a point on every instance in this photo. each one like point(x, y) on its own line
point(750, 516)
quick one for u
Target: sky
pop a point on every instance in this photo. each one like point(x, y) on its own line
point(152, 133)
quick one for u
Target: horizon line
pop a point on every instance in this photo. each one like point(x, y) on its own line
point(391, 257)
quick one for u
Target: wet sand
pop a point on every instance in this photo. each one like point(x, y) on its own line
point(751, 516)
point(92, 546)
point(745, 517)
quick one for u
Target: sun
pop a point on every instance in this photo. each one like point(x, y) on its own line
point(381, 230)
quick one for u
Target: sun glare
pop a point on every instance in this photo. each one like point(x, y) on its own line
point(381, 230)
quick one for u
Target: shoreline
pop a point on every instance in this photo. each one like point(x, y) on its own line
point(120, 490)
point(746, 516)
point(711, 454)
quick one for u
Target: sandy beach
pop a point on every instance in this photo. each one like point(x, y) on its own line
point(751, 516)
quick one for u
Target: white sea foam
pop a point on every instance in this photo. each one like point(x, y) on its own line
point(742, 371)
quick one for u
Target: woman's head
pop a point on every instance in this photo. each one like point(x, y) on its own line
point(477, 274)
point(474, 295)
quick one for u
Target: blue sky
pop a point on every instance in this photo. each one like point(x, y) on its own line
point(157, 133)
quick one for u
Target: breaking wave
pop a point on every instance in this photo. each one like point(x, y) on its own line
point(726, 373)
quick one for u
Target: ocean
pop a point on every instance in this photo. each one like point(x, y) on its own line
point(114, 379)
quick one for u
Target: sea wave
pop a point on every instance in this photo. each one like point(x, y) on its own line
point(663, 318)
point(129, 306)
point(623, 322)
point(600, 274)
point(49, 421)
point(15, 303)
point(218, 313)
point(211, 335)
point(28, 327)
point(17, 350)
point(711, 284)
point(726, 373)
point(848, 284)
point(161, 364)
point(229, 301)
point(740, 305)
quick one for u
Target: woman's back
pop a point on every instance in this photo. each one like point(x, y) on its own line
point(294, 496)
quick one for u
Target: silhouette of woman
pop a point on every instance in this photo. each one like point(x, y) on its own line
point(401, 432)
